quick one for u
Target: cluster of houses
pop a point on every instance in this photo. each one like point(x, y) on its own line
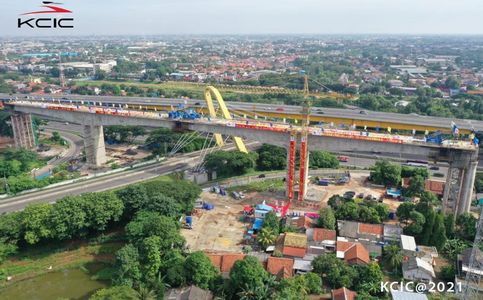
point(354, 242)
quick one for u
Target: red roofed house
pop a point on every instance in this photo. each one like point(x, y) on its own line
point(294, 244)
point(371, 229)
point(225, 261)
point(352, 253)
point(343, 294)
point(321, 240)
point(280, 266)
point(434, 186)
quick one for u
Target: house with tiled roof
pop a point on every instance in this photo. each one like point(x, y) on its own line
point(321, 240)
point(352, 253)
point(343, 294)
point(281, 267)
point(225, 261)
point(294, 244)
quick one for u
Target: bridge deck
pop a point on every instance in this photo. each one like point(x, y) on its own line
point(256, 125)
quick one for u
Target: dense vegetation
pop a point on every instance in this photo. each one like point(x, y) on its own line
point(362, 210)
point(16, 165)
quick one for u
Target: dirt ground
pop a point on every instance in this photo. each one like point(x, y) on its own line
point(221, 230)
point(218, 229)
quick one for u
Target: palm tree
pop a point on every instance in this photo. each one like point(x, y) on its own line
point(393, 257)
point(266, 237)
point(145, 293)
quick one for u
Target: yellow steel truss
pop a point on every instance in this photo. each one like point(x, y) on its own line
point(225, 114)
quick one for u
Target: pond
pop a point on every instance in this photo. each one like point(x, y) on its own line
point(73, 284)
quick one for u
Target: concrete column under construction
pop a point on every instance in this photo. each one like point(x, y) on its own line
point(467, 184)
point(460, 179)
point(94, 145)
point(304, 172)
point(23, 132)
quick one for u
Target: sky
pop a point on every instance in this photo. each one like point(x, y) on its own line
point(153, 17)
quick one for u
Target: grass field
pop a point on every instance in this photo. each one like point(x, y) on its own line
point(43, 259)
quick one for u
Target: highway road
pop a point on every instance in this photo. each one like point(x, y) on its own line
point(355, 114)
point(108, 182)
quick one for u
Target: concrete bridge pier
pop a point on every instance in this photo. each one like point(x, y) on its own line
point(460, 180)
point(467, 185)
point(23, 132)
point(94, 145)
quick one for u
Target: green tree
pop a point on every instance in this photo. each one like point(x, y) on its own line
point(69, 217)
point(36, 222)
point(416, 186)
point(271, 158)
point(428, 228)
point(449, 224)
point(453, 247)
point(102, 208)
point(347, 211)
point(7, 249)
point(382, 210)
point(416, 226)
point(336, 273)
point(151, 254)
point(368, 215)
point(448, 273)
point(199, 270)
point(127, 266)
point(404, 210)
point(314, 283)
point(11, 229)
point(438, 238)
point(134, 197)
point(369, 278)
point(271, 222)
point(115, 293)
point(184, 192)
point(163, 205)
point(229, 163)
point(323, 159)
point(466, 226)
point(266, 237)
point(386, 173)
point(247, 273)
point(146, 224)
point(293, 288)
point(393, 257)
point(452, 83)
point(327, 218)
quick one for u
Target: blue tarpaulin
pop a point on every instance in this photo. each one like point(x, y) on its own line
point(257, 224)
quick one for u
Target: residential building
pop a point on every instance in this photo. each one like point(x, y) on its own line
point(343, 294)
point(294, 244)
point(225, 261)
point(352, 253)
point(414, 268)
point(281, 267)
point(321, 240)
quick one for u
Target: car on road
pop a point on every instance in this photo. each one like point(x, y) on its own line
point(280, 109)
point(343, 158)
point(434, 168)
point(363, 112)
point(197, 103)
point(261, 176)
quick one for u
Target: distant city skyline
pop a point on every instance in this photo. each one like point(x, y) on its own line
point(151, 17)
